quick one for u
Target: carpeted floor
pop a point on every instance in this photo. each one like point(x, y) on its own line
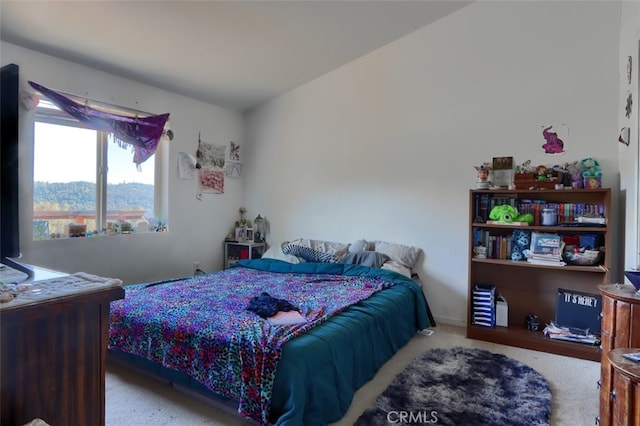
point(134, 399)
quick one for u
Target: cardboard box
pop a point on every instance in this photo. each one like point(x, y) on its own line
point(579, 310)
point(502, 311)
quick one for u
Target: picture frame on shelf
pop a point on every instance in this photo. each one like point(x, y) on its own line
point(503, 178)
point(503, 172)
point(243, 234)
point(502, 163)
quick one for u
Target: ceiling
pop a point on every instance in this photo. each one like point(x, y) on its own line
point(235, 54)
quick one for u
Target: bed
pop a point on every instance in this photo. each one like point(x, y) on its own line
point(197, 332)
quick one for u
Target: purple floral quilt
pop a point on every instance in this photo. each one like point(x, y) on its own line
point(200, 326)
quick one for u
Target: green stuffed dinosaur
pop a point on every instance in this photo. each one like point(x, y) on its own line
point(507, 214)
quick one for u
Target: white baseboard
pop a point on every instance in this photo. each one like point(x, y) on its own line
point(450, 321)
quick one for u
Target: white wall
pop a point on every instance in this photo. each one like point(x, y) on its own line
point(629, 156)
point(384, 147)
point(196, 228)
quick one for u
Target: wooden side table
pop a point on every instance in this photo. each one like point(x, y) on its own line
point(240, 250)
point(625, 393)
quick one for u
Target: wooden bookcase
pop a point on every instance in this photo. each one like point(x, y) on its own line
point(532, 288)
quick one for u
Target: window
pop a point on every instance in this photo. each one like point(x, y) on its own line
point(86, 185)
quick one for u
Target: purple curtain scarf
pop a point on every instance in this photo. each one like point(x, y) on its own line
point(143, 133)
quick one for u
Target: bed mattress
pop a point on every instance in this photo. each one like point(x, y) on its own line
point(319, 370)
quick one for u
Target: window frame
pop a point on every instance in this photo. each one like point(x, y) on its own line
point(50, 114)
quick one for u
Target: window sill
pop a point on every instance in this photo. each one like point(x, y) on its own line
point(97, 236)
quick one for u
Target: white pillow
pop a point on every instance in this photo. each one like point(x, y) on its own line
point(394, 266)
point(359, 245)
point(275, 252)
point(405, 255)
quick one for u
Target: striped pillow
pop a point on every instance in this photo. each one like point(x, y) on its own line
point(308, 254)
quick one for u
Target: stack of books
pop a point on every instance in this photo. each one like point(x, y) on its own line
point(546, 249)
point(570, 334)
point(540, 259)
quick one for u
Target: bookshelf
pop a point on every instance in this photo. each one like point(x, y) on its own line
point(533, 288)
point(239, 250)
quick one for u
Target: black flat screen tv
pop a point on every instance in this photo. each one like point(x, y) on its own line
point(9, 190)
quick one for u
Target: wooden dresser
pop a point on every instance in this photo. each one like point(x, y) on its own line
point(53, 358)
point(620, 329)
point(625, 383)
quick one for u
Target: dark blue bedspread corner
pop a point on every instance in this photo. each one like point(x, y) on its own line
point(424, 317)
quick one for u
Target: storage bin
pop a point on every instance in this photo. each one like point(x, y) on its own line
point(590, 241)
point(502, 311)
point(484, 305)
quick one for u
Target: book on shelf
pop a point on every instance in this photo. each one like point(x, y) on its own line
point(497, 222)
point(485, 201)
point(498, 247)
point(566, 212)
point(592, 220)
point(482, 207)
point(546, 256)
point(549, 262)
point(546, 244)
point(546, 249)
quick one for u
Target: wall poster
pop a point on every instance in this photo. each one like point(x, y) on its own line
point(234, 165)
point(556, 138)
point(211, 159)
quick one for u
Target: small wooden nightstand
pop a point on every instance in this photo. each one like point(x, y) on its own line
point(240, 250)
